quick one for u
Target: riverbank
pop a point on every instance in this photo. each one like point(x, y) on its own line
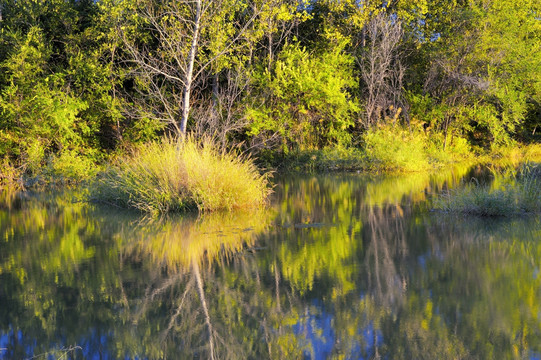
point(512, 192)
point(170, 176)
point(396, 159)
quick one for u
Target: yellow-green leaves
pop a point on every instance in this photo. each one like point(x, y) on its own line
point(306, 98)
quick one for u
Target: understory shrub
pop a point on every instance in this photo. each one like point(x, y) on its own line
point(336, 158)
point(395, 148)
point(71, 166)
point(456, 149)
point(175, 175)
point(10, 176)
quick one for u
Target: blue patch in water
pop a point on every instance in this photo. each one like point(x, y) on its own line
point(4, 339)
point(319, 334)
point(320, 337)
point(421, 259)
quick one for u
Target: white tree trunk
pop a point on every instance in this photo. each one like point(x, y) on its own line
point(189, 71)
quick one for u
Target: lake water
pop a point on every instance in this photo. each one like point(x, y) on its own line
point(339, 266)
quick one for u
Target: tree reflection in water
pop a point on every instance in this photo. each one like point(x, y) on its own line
point(207, 281)
point(341, 267)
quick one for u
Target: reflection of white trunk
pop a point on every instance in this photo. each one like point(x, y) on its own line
point(197, 273)
point(189, 71)
point(277, 284)
point(149, 296)
point(387, 241)
point(179, 308)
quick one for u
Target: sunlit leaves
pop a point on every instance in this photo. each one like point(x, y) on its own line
point(305, 98)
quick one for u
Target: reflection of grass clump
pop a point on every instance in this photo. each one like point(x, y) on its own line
point(518, 193)
point(178, 175)
point(176, 242)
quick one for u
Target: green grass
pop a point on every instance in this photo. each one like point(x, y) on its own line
point(512, 193)
point(178, 175)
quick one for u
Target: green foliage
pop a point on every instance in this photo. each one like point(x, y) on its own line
point(176, 175)
point(482, 68)
point(278, 76)
point(305, 99)
point(509, 45)
point(70, 165)
point(40, 115)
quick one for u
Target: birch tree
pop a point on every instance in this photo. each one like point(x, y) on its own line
point(182, 42)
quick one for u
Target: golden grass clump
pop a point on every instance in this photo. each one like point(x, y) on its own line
point(176, 175)
point(10, 176)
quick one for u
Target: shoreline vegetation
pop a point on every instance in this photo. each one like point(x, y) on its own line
point(512, 192)
point(179, 175)
point(86, 87)
point(171, 175)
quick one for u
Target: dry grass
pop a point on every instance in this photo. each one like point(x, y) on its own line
point(176, 175)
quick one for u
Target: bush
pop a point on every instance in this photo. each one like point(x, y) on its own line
point(305, 99)
point(71, 166)
point(395, 148)
point(175, 175)
point(457, 149)
point(335, 158)
point(10, 176)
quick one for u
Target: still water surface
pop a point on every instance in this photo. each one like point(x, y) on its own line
point(340, 266)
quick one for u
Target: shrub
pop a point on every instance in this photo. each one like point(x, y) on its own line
point(10, 176)
point(457, 149)
point(175, 175)
point(335, 158)
point(304, 99)
point(395, 148)
point(70, 165)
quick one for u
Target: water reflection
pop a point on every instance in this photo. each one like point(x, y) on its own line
point(341, 267)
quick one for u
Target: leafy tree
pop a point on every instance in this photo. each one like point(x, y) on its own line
point(56, 87)
point(40, 116)
point(481, 54)
point(510, 49)
point(305, 102)
point(167, 67)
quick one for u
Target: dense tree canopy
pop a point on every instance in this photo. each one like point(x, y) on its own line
point(81, 78)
